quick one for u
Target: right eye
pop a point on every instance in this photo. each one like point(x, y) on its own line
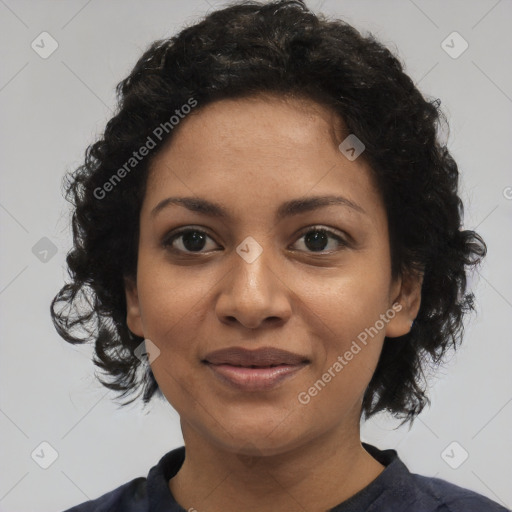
point(189, 241)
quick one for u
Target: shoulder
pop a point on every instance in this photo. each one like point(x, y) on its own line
point(129, 497)
point(142, 493)
point(397, 489)
point(442, 496)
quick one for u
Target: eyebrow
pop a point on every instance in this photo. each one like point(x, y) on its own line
point(287, 209)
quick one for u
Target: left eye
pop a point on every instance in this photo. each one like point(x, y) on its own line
point(194, 240)
point(317, 237)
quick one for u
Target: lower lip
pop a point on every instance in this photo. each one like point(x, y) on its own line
point(254, 379)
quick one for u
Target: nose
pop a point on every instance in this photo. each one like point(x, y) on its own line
point(253, 294)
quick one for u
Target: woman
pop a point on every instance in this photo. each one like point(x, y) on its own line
point(269, 236)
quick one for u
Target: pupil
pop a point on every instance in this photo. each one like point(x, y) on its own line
point(318, 239)
point(192, 237)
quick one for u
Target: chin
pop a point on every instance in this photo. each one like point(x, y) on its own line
point(262, 438)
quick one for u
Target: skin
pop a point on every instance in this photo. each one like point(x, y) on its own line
point(266, 450)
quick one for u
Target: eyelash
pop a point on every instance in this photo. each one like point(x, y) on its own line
point(169, 240)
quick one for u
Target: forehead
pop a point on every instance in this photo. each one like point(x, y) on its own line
point(263, 147)
point(254, 124)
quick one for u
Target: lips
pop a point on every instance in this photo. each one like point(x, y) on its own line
point(254, 370)
point(261, 357)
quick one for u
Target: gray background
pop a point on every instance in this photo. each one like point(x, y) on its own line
point(53, 108)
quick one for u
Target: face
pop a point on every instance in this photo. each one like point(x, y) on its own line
point(308, 277)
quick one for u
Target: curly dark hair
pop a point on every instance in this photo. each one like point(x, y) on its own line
point(277, 47)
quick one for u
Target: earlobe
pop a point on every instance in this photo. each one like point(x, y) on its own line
point(133, 315)
point(409, 299)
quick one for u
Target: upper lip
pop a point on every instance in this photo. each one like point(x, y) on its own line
point(264, 356)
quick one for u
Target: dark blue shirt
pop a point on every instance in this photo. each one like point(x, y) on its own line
point(394, 490)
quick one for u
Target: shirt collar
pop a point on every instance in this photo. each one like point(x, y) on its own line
point(393, 479)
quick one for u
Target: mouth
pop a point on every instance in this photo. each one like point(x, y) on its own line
point(254, 370)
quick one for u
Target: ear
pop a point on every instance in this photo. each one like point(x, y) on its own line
point(407, 294)
point(133, 316)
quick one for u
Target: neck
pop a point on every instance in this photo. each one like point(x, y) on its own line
point(315, 476)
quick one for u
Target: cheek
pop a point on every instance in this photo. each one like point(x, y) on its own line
point(171, 318)
point(344, 318)
point(349, 304)
point(347, 352)
point(172, 301)
point(172, 308)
